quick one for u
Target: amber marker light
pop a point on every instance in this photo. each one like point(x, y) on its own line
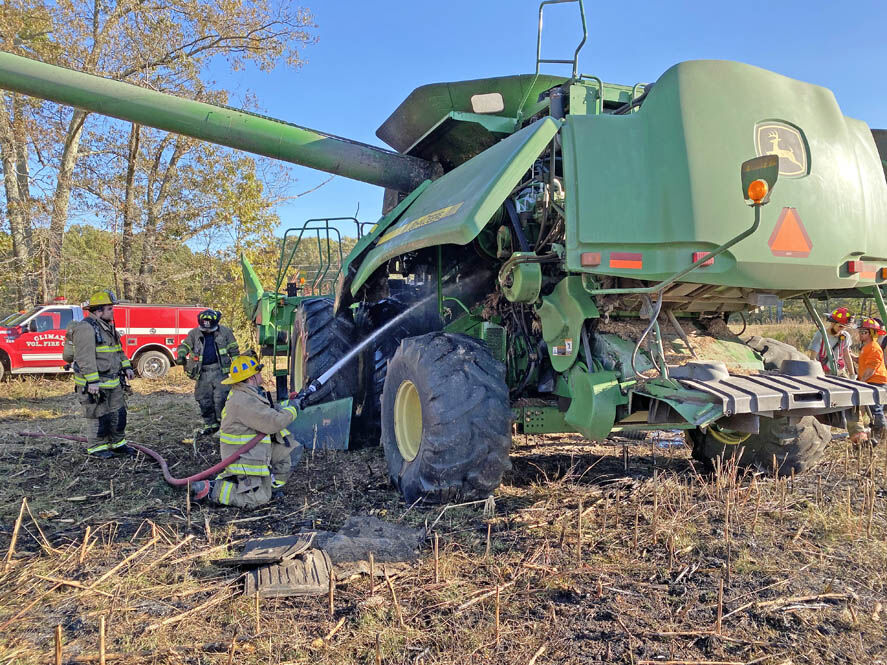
point(757, 190)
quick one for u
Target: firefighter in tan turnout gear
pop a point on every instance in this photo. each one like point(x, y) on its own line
point(94, 350)
point(254, 477)
point(206, 355)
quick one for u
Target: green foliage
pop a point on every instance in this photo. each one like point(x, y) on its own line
point(134, 181)
point(184, 276)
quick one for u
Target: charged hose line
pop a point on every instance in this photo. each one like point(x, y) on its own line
point(176, 482)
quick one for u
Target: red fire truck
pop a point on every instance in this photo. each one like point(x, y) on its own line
point(33, 343)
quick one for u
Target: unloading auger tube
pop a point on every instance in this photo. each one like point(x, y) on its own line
point(217, 124)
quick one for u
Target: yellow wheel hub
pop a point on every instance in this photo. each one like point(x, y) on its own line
point(298, 365)
point(408, 420)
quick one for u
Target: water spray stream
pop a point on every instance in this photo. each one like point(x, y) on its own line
point(341, 362)
point(304, 396)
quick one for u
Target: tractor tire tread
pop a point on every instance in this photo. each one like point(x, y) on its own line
point(798, 446)
point(461, 457)
point(326, 338)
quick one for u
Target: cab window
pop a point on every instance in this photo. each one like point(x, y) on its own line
point(41, 323)
point(65, 317)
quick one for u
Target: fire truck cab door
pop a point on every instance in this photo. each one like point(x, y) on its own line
point(42, 339)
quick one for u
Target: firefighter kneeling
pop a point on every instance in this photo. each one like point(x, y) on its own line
point(254, 477)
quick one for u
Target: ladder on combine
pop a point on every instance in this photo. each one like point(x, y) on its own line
point(311, 259)
point(317, 267)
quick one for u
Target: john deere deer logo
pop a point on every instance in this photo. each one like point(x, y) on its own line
point(784, 141)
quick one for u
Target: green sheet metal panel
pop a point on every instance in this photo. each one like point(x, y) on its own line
point(455, 208)
point(252, 286)
point(664, 182)
point(324, 426)
point(427, 105)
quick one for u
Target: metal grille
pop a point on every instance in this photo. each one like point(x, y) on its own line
point(766, 393)
point(494, 336)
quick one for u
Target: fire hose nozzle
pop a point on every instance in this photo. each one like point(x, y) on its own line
point(307, 395)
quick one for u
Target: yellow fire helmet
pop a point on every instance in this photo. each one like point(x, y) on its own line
point(99, 298)
point(242, 367)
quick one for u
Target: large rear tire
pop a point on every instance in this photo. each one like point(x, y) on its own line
point(319, 340)
point(798, 443)
point(446, 422)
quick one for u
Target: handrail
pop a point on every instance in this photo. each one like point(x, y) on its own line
point(307, 226)
point(575, 60)
point(634, 94)
point(599, 103)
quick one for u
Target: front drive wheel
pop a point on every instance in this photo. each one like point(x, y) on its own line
point(319, 340)
point(797, 443)
point(446, 422)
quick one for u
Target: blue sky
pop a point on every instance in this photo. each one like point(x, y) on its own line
point(371, 55)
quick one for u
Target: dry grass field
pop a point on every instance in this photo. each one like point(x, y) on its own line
point(798, 334)
point(584, 560)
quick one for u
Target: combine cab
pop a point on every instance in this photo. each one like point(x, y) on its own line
point(561, 254)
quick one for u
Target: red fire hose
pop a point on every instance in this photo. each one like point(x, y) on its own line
point(206, 473)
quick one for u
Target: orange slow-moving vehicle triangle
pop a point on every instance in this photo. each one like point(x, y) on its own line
point(789, 237)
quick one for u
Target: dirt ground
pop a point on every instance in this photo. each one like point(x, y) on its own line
point(584, 560)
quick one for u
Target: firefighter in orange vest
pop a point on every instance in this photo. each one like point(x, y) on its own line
point(839, 340)
point(871, 368)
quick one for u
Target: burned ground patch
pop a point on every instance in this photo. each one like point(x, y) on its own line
point(587, 556)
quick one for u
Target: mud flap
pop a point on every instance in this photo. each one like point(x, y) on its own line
point(595, 398)
point(323, 426)
point(306, 575)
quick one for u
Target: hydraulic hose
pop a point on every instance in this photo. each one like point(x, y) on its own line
point(654, 315)
point(176, 482)
point(515, 224)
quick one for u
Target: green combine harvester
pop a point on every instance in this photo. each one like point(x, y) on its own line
point(561, 254)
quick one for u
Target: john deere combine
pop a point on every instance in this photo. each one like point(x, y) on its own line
point(560, 254)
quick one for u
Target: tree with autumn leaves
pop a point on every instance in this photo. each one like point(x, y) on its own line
point(151, 192)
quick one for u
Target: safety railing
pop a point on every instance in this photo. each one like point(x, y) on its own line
point(575, 60)
point(318, 277)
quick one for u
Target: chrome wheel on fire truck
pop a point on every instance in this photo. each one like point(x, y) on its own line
point(152, 365)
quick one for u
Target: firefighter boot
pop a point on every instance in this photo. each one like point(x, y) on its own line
point(211, 428)
point(201, 489)
point(97, 440)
